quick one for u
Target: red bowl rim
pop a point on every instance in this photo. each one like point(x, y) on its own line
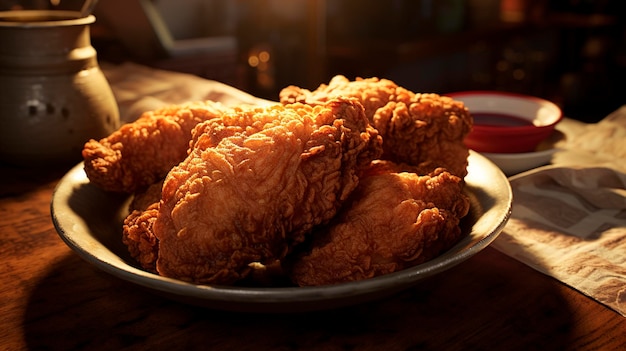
point(509, 130)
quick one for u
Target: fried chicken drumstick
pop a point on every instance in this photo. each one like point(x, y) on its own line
point(393, 220)
point(250, 190)
point(141, 153)
point(424, 130)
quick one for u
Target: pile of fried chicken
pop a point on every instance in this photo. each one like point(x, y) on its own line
point(350, 181)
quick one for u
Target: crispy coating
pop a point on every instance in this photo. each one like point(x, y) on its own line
point(138, 236)
point(142, 152)
point(145, 197)
point(137, 233)
point(373, 93)
point(424, 130)
point(255, 183)
point(395, 219)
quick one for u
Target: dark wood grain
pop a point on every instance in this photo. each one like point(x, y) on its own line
point(53, 300)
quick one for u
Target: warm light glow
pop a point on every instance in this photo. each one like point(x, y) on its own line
point(253, 60)
point(264, 56)
point(259, 59)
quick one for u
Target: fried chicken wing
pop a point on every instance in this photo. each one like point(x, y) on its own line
point(424, 130)
point(255, 183)
point(141, 153)
point(393, 220)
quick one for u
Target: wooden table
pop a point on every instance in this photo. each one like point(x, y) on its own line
point(53, 300)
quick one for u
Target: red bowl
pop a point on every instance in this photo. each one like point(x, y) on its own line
point(508, 122)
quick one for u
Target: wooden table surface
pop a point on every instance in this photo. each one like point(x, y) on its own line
point(54, 300)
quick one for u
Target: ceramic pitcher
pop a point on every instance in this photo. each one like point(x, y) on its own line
point(53, 94)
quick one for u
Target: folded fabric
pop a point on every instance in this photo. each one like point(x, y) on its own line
point(605, 138)
point(139, 88)
point(570, 223)
point(593, 144)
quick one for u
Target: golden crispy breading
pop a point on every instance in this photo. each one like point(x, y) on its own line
point(393, 220)
point(137, 233)
point(139, 238)
point(373, 93)
point(145, 197)
point(424, 130)
point(255, 183)
point(427, 131)
point(142, 152)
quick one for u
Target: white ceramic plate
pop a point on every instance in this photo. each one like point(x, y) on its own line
point(89, 220)
point(512, 164)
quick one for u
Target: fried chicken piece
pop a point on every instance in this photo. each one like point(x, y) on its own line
point(144, 198)
point(251, 190)
point(373, 93)
point(138, 236)
point(393, 220)
point(427, 132)
point(424, 130)
point(142, 152)
point(137, 233)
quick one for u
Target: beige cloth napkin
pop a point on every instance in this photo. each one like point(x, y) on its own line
point(606, 139)
point(569, 219)
point(139, 88)
point(594, 144)
point(570, 223)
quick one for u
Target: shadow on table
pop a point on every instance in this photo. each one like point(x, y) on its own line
point(18, 180)
point(476, 305)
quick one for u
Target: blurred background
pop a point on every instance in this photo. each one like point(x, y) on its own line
point(572, 52)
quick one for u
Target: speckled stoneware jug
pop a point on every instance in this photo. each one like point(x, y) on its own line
point(53, 95)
